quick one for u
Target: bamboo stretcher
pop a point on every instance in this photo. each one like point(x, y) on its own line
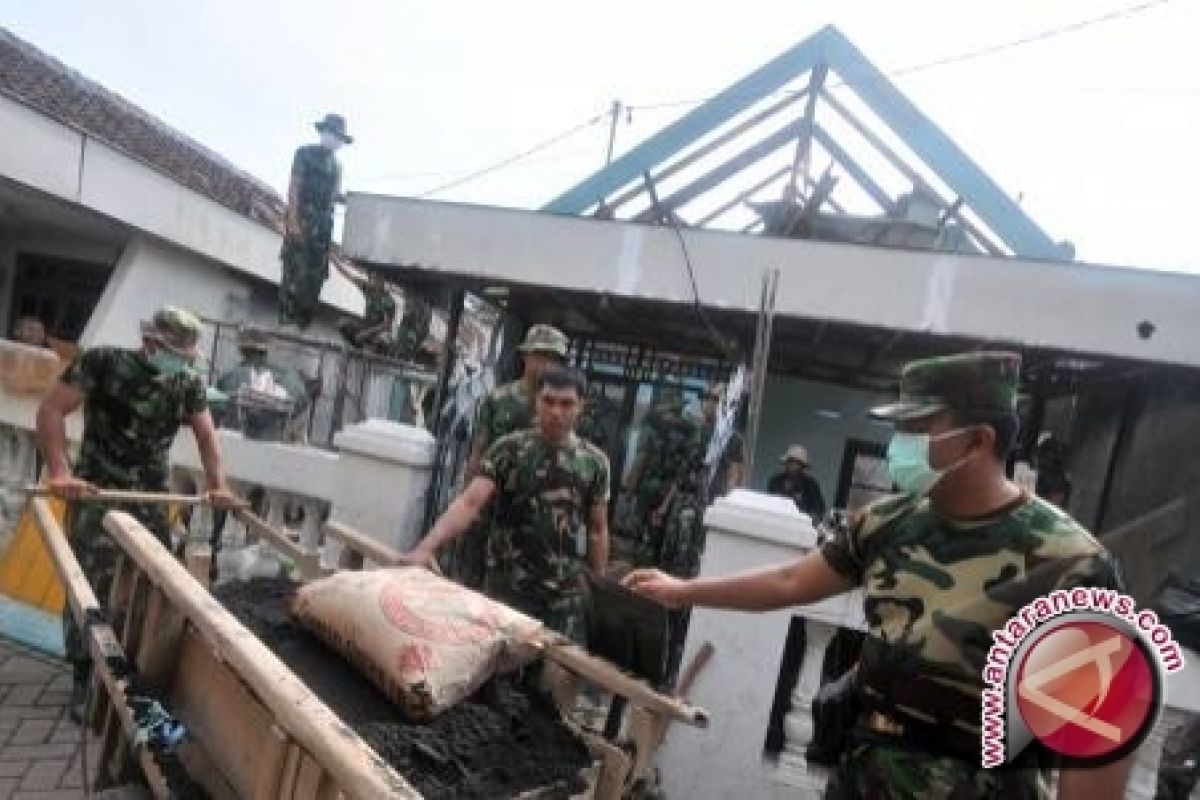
point(256, 731)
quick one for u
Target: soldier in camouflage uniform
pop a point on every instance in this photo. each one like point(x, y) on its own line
point(134, 402)
point(696, 484)
point(548, 487)
point(308, 229)
point(667, 445)
point(379, 311)
point(413, 329)
point(942, 565)
point(507, 409)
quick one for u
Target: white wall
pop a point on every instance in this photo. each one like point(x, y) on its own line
point(790, 416)
point(150, 274)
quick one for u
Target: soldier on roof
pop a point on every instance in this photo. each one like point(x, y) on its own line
point(308, 229)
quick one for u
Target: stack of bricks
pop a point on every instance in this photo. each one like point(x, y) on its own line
point(40, 747)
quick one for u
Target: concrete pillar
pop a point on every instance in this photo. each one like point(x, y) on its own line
point(748, 530)
point(384, 472)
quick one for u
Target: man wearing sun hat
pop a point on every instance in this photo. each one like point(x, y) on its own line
point(942, 565)
point(134, 402)
point(308, 228)
point(796, 482)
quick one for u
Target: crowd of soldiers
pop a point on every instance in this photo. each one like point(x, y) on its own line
point(942, 563)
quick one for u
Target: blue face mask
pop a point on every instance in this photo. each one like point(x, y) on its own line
point(908, 462)
point(169, 364)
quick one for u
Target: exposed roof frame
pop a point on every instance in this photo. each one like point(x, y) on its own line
point(827, 48)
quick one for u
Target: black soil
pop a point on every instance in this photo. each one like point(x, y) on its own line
point(504, 740)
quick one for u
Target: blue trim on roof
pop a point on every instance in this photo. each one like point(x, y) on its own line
point(828, 46)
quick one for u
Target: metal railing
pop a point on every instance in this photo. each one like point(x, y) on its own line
point(345, 385)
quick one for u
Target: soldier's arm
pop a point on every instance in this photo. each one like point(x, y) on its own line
point(597, 538)
point(210, 457)
point(807, 580)
point(1097, 783)
point(52, 415)
point(291, 220)
point(453, 522)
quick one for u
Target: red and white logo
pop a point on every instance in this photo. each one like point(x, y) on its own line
point(1087, 688)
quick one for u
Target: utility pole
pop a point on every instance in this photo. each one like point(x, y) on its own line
point(615, 111)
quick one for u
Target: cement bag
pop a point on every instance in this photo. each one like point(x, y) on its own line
point(425, 641)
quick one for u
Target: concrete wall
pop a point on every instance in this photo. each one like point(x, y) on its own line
point(1157, 462)
point(798, 412)
point(992, 299)
point(150, 274)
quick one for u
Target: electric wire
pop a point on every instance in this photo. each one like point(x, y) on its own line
point(515, 157)
point(970, 55)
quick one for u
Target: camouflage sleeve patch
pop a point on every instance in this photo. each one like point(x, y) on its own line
point(86, 371)
point(195, 398)
point(498, 460)
point(601, 483)
point(841, 554)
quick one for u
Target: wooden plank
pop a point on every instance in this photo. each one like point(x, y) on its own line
point(308, 563)
point(121, 496)
point(198, 558)
point(357, 768)
point(162, 631)
point(607, 676)
point(270, 765)
point(101, 641)
point(355, 541)
point(223, 714)
point(291, 768)
point(308, 781)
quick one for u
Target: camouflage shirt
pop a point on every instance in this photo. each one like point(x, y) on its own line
point(316, 170)
point(935, 591)
point(380, 305)
point(669, 445)
point(544, 495)
point(507, 409)
point(131, 416)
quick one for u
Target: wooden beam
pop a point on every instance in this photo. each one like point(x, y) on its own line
point(803, 157)
point(703, 151)
point(101, 641)
point(742, 196)
point(358, 769)
point(903, 167)
point(751, 155)
point(307, 562)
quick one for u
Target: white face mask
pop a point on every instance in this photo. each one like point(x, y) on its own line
point(331, 140)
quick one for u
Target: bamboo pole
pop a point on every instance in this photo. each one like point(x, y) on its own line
point(308, 562)
point(102, 643)
point(358, 770)
point(122, 496)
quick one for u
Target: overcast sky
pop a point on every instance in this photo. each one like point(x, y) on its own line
point(1097, 130)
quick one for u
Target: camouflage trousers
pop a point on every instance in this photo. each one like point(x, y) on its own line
point(305, 268)
point(683, 537)
point(648, 538)
point(873, 770)
point(565, 612)
point(97, 554)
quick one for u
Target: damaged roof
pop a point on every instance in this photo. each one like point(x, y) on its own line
point(34, 78)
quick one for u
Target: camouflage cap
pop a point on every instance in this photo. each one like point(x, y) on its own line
point(176, 329)
point(545, 339)
point(979, 382)
point(253, 339)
